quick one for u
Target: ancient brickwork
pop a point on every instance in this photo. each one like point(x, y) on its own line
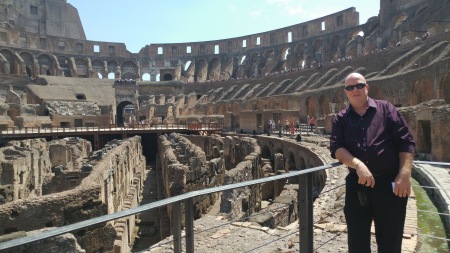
point(114, 183)
point(185, 168)
point(243, 163)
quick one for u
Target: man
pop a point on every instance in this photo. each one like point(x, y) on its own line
point(373, 140)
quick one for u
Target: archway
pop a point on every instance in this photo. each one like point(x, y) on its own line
point(124, 112)
point(167, 77)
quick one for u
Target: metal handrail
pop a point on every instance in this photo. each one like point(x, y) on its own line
point(305, 210)
point(33, 130)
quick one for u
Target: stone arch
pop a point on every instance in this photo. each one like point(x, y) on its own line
point(234, 107)
point(222, 109)
point(112, 66)
point(444, 88)
point(270, 62)
point(310, 105)
point(338, 102)
point(300, 53)
point(255, 60)
point(82, 67)
point(201, 70)
point(8, 66)
point(211, 108)
point(167, 77)
point(214, 69)
point(324, 105)
point(301, 163)
point(265, 153)
point(291, 162)
point(45, 64)
point(422, 91)
point(120, 112)
point(318, 50)
point(272, 103)
point(97, 66)
point(64, 64)
point(29, 63)
point(129, 70)
point(283, 64)
point(336, 49)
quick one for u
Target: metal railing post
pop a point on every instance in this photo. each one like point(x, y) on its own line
point(189, 220)
point(305, 212)
point(176, 226)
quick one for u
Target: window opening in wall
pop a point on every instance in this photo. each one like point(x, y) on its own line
point(61, 45)
point(160, 50)
point(111, 76)
point(201, 49)
point(340, 20)
point(146, 77)
point(100, 76)
point(322, 26)
point(43, 43)
point(289, 37)
point(3, 36)
point(361, 34)
point(65, 124)
point(216, 49)
point(188, 49)
point(258, 41)
point(111, 50)
point(174, 50)
point(244, 43)
point(96, 48)
point(33, 10)
point(305, 30)
point(23, 41)
point(157, 77)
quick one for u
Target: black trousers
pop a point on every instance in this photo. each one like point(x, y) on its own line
point(383, 207)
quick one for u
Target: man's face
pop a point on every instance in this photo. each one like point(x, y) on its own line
point(356, 90)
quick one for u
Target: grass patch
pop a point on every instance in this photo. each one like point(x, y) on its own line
point(429, 223)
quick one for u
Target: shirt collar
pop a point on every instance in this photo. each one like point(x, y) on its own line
point(370, 103)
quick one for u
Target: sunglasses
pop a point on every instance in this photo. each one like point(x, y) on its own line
point(352, 87)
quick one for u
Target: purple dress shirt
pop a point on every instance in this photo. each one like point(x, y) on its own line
point(376, 138)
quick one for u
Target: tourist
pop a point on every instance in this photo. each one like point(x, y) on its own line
point(312, 123)
point(373, 140)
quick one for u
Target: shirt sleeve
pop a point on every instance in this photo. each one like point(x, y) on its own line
point(337, 135)
point(400, 130)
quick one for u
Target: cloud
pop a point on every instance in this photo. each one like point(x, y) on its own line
point(255, 14)
point(289, 7)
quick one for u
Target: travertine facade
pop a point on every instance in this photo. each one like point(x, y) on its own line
point(288, 73)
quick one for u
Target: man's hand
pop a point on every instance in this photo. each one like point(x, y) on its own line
point(402, 187)
point(365, 177)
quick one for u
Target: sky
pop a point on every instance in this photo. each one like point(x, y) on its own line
point(138, 23)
